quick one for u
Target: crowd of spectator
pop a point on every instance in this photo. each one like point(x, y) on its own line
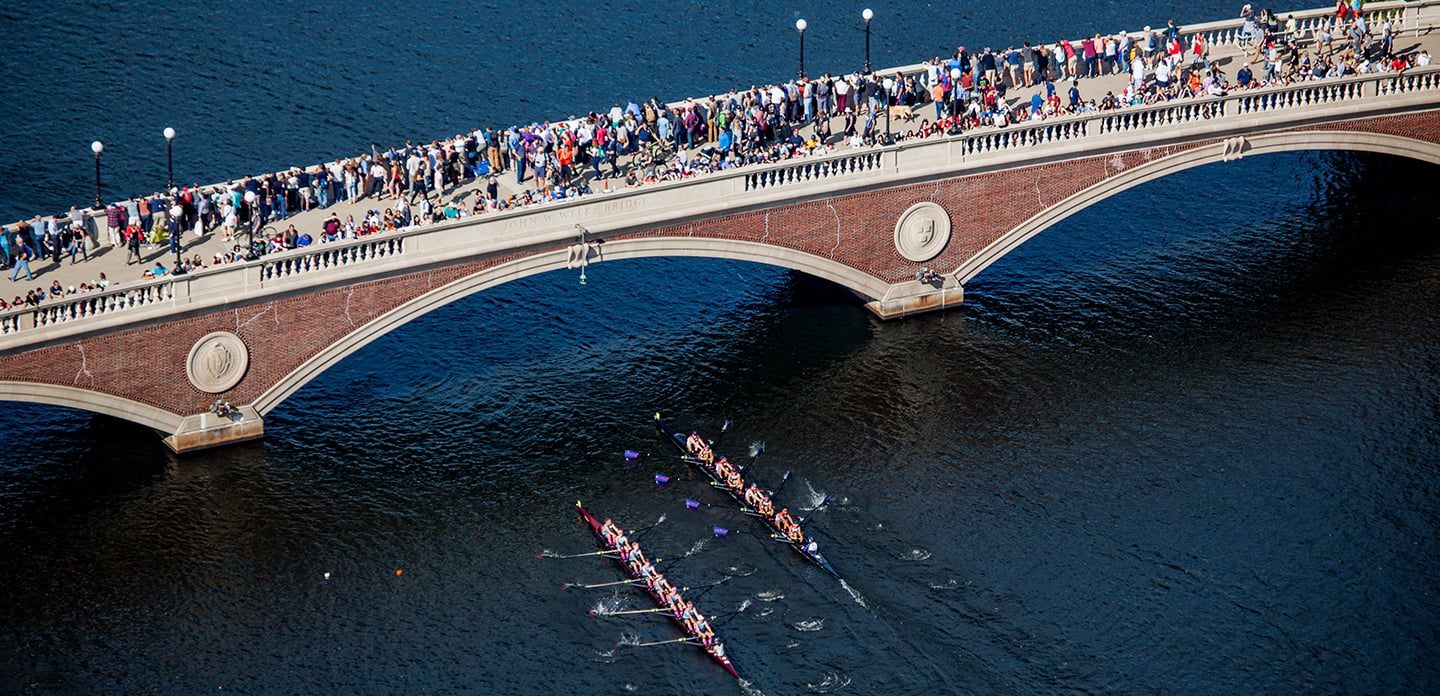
point(640, 143)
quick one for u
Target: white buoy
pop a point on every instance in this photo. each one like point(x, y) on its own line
point(327, 575)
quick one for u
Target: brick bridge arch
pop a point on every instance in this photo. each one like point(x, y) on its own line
point(1228, 150)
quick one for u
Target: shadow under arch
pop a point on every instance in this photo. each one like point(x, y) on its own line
point(92, 401)
point(1225, 151)
point(862, 284)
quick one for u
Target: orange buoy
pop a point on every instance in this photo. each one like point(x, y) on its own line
point(398, 572)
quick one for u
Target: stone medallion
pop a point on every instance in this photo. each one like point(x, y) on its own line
point(217, 362)
point(922, 231)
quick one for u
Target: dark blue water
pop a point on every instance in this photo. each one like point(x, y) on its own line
point(1184, 442)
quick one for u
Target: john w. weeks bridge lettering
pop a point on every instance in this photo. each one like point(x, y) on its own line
point(903, 227)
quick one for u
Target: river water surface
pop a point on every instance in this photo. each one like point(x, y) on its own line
point(1184, 442)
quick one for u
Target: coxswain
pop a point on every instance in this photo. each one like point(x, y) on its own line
point(811, 547)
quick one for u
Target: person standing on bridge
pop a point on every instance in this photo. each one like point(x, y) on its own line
point(23, 254)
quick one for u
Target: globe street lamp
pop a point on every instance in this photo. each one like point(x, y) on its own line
point(868, 15)
point(97, 147)
point(169, 159)
point(800, 27)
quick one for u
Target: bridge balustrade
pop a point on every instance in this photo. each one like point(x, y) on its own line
point(1230, 32)
point(322, 258)
point(91, 305)
point(813, 170)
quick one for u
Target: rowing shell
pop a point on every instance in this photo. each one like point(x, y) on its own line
point(678, 440)
point(715, 651)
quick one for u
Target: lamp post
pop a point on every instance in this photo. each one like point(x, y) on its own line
point(800, 27)
point(169, 159)
point(868, 14)
point(97, 147)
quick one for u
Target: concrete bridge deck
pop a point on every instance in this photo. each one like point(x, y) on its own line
point(111, 261)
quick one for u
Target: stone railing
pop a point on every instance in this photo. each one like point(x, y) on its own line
point(551, 226)
point(89, 305)
point(326, 257)
point(1298, 99)
point(820, 168)
point(1409, 16)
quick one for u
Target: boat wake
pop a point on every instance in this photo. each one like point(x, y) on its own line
point(756, 448)
point(628, 639)
point(606, 657)
point(695, 547)
point(606, 606)
point(854, 594)
point(749, 689)
point(832, 682)
point(808, 626)
point(770, 595)
point(951, 584)
point(816, 498)
point(739, 571)
point(915, 555)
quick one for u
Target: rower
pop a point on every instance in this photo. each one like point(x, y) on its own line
point(722, 467)
point(694, 443)
point(734, 481)
point(764, 507)
point(608, 531)
point(752, 496)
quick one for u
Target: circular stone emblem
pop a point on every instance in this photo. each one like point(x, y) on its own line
point(217, 362)
point(922, 231)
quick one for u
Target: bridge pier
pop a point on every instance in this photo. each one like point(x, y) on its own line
point(905, 299)
point(207, 430)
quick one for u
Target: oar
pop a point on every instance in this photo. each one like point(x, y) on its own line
point(635, 535)
point(686, 639)
point(731, 614)
point(662, 479)
point(585, 586)
point(783, 480)
point(631, 611)
point(547, 554)
point(807, 516)
point(759, 450)
point(707, 588)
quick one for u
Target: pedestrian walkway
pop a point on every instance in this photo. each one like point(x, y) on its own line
point(111, 261)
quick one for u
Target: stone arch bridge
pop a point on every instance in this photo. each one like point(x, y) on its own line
point(904, 227)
